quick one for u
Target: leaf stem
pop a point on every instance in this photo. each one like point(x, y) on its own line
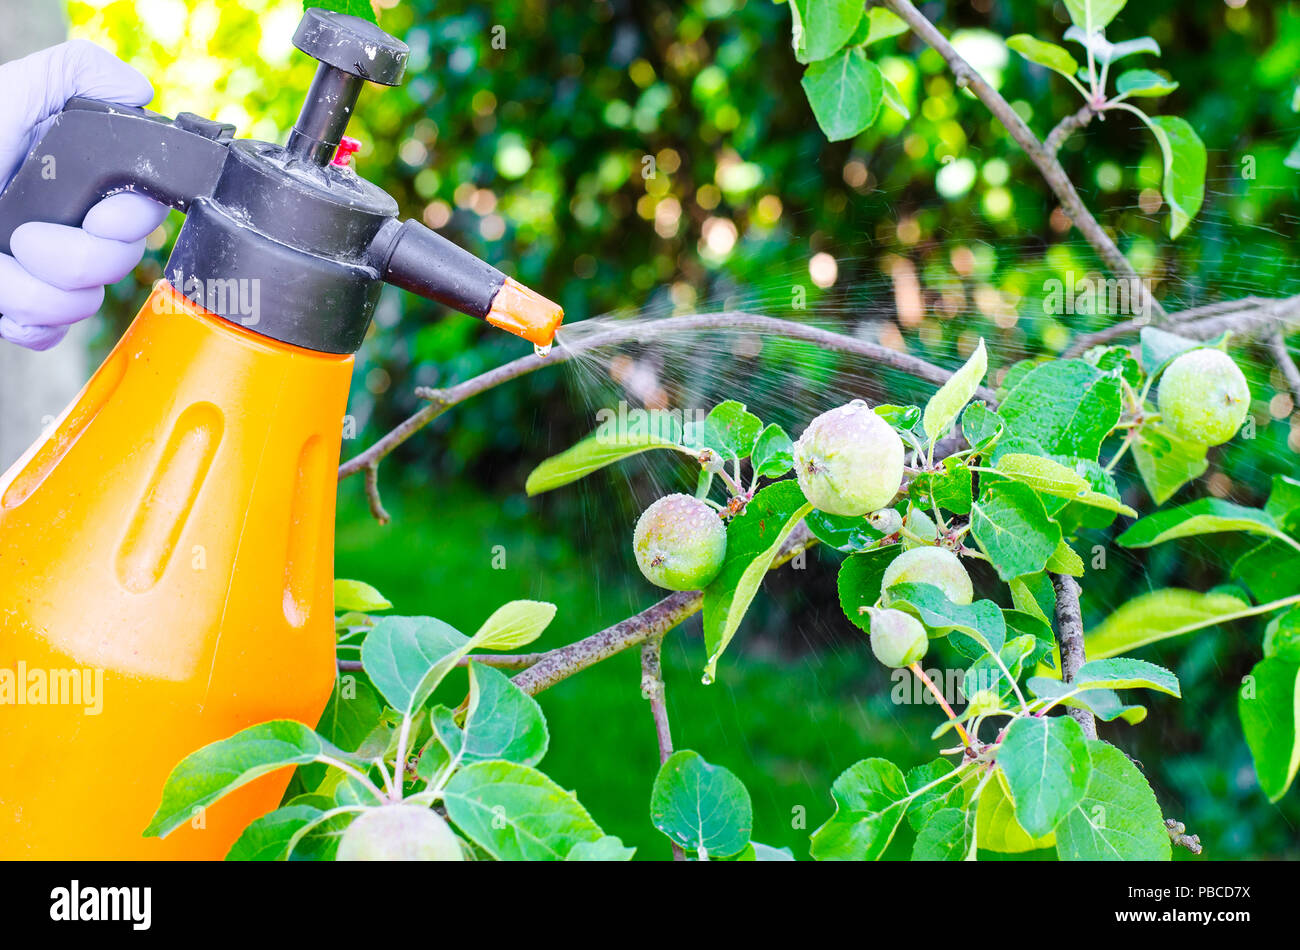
point(919, 673)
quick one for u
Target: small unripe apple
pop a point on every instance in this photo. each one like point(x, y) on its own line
point(930, 565)
point(849, 461)
point(897, 638)
point(399, 833)
point(886, 520)
point(1204, 396)
point(680, 543)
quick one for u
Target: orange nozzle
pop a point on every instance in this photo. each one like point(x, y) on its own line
point(525, 313)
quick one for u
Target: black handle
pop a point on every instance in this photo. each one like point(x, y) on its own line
point(96, 149)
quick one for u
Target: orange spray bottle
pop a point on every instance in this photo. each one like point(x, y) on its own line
point(166, 549)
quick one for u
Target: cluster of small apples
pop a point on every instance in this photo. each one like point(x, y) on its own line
point(849, 462)
point(1204, 396)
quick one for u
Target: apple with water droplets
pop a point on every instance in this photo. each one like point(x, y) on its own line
point(849, 461)
point(680, 543)
point(1204, 396)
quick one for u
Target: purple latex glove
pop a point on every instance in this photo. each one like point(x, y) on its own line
point(57, 274)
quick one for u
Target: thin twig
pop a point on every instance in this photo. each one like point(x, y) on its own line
point(1067, 127)
point(1069, 637)
point(1277, 343)
point(652, 688)
point(1039, 154)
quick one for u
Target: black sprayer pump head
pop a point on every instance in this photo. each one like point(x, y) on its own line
point(279, 239)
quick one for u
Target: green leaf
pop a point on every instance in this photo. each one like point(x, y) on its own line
point(591, 454)
point(1067, 407)
point(608, 848)
point(753, 540)
point(1065, 560)
point(1184, 155)
point(358, 596)
point(515, 813)
point(352, 713)
point(946, 794)
point(1034, 594)
point(982, 621)
point(870, 799)
point(1158, 615)
point(502, 722)
point(1011, 526)
point(702, 808)
point(902, 418)
point(986, 673)
point(942, 409)
point(1118, 819)
point(949, 835)
point(773, 454)
point(1167, 461)
point(757, 851)
point(729, 429)
point(1047, 767)
point(407, 657)
point(823, 26)
point(950, 488)
point(879, 24)
point(1204, 516)
point(859, 583)
point(1160, 348)
point(1053, 478)
point(514, 625)
point(1105, 704)
point(1282, 636)
point(1127, 673)
point(1093, 15)
point(851, 534)
point(269, 838)
point(1144, 84)
point(845, 92)
point(995, 821)
point(358, 8)
point(1269, 705)
point(1269, 570)
point(893, 96)
point(205, 776)
point(1106, 52)
point(981, 426)
point(1284, 503)
point(1054, 57)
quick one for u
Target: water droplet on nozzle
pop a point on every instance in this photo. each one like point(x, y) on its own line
point(542, 350)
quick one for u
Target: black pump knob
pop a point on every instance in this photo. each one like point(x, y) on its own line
point(353, 45)
point(350, 51)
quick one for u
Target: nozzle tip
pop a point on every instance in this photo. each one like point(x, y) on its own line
point(525, 313)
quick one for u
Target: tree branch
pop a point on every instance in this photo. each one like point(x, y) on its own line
point(1069, 637)
point(1282, 354)
point(1039, 154)
point(1245, 318)
point(654, 621)
point(440, 400)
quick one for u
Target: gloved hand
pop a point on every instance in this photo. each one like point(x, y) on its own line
point(57, 274)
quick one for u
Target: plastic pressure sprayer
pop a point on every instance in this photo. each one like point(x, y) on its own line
point(167, 547)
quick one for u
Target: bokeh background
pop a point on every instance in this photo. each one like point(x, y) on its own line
point(637, 158)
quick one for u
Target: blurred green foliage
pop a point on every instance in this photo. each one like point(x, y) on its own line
point(652, 157)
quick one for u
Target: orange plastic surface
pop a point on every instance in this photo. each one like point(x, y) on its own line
point(174, 529)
